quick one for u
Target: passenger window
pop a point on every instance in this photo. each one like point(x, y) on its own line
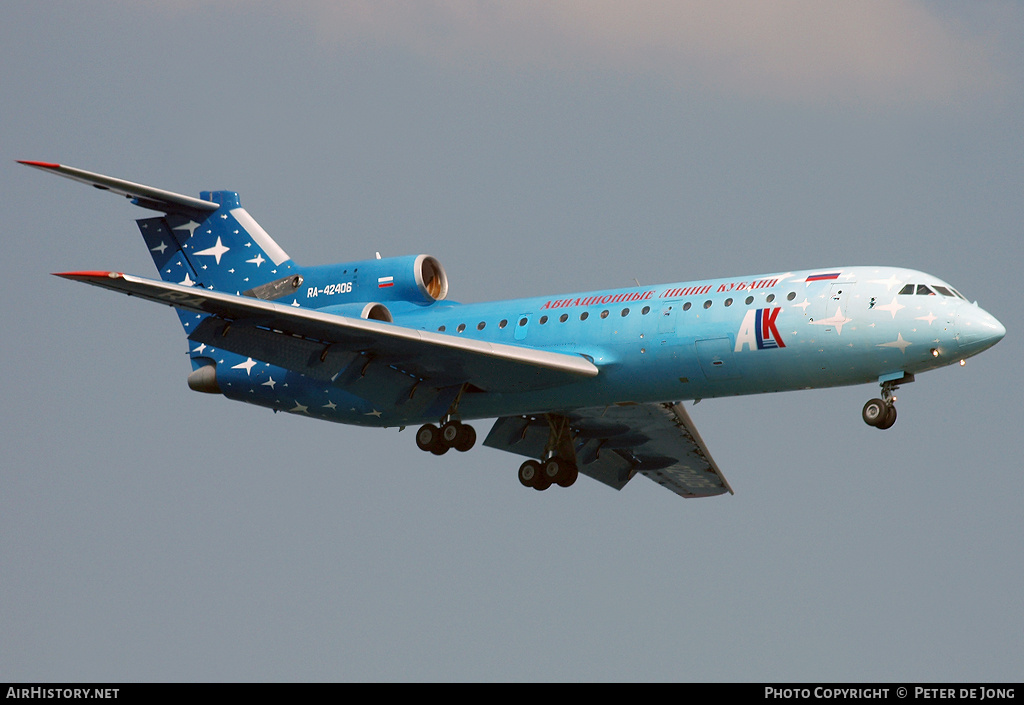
point(707, 304)
point(770, 298)
point(749, 300)
point(728, 302)
point(625, 312)
point(584, 316)
point(686, 306)
point(522, 322)
point(790, 296)
point(440, 329)
point(503, 323)
point(543, 320)
point(604, 314)
point(563, 318)
point(645, 311)
point(480, 325)
point(462, 327)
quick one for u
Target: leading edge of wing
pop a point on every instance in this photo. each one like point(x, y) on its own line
point(391, 340)
point(145, 196)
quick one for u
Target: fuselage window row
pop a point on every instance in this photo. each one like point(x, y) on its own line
point(647, 309)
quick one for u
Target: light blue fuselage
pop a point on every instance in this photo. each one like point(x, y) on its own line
point(693, 340)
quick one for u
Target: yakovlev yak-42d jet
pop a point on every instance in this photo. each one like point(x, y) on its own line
point(579, 383)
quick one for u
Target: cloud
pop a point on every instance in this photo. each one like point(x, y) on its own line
point(874, 51)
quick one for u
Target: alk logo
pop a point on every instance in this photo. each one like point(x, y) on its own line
point(758, 330)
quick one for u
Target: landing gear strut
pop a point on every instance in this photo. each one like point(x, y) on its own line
point(881, 413)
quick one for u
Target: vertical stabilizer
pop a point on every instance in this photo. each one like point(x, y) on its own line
point(227, 251)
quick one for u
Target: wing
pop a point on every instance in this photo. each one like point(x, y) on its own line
point(612, 444)
point(326, 346)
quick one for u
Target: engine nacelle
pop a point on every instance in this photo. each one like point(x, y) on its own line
point(371, 310)
point(418, 279)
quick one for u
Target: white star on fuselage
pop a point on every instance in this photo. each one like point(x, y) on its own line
point(930, 318)
point(216, 251)
point(889, 283)
point(891, 307)
point(190, 226)
point(838, 320)
point(159, 248)
point(247, 366)
point(257, 260)
point(898, 343)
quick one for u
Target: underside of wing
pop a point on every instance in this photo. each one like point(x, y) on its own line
point(331, 347)
point(612, 444)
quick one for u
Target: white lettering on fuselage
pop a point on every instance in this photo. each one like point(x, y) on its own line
point(329, 290)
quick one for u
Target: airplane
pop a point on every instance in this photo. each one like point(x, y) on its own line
point(589, 383)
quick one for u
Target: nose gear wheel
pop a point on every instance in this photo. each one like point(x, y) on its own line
point(881, 413)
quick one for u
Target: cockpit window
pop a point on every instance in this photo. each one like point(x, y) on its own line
point(922, 290)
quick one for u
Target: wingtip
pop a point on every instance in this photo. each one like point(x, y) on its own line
point(41, 165)
point(79, 276)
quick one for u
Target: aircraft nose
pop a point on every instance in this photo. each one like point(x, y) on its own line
point(977, 330)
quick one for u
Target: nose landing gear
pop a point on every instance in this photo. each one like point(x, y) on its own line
point(881, 413)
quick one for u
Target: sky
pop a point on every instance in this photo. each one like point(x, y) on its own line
point(149, 533)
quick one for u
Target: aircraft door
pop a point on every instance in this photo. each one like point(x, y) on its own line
point(667, 319)
point(837, 300)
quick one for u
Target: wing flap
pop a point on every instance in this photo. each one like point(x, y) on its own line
point(612, 444)
point(322, 344)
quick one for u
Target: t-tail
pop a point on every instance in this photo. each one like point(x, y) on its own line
point(210, 241)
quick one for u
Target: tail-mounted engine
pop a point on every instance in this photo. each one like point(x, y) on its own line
point(418, 279)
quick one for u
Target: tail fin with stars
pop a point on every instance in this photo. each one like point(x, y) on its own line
point(210, 241)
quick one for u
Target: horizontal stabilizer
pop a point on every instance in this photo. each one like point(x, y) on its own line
point(145, 196)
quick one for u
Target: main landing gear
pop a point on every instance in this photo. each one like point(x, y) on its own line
point(452, 434)
point(558, 463)
point(881, 413)
point(553, 471)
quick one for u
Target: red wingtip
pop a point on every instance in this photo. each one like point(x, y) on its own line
point(43, 165)
point(88, 275)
